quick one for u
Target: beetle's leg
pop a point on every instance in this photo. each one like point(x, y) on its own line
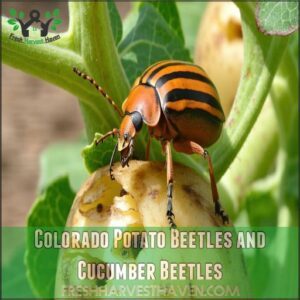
point(105, 136)
point(192, 147)
point(218, 208)
point(170, 214)
point(100, 89)
point(147, 155)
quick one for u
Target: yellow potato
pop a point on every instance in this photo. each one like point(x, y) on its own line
point(146, 201)
point(219, 49)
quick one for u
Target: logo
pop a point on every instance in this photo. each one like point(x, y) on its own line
point(34, 30)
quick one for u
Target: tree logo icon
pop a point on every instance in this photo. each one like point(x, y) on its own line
point(17, 21)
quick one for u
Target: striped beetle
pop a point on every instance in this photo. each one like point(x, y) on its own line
point(179, 104)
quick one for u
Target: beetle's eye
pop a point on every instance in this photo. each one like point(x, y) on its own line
point(137, 120)
point(125, 136)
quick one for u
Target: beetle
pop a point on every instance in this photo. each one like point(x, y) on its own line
point(180, 105)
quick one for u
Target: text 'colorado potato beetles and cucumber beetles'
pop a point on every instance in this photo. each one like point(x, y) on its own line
point(179, 104)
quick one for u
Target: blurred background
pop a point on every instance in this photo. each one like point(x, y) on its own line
point(33, 117)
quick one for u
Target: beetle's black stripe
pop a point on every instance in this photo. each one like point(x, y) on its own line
point(179, 94)
point(178, 63)
point(193, 113)
point(147, 70)
point(186, 75)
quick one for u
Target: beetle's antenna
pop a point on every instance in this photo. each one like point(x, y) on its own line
point(112, 162)
point(100, 89)
point(105, 136)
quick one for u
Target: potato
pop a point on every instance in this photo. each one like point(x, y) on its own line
point(219, 49)
point(146, 201)
point(136, 200)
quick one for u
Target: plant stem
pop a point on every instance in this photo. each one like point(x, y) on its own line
point(47, 61)
point(262, 56)
point(285, 99)
point(88, 45)
point(285, 94)
point(251, 163)
point(92, 35)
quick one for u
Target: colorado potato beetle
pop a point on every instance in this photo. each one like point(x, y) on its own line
point(180, 105)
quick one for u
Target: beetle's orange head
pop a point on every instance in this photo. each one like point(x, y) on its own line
point(131, 124)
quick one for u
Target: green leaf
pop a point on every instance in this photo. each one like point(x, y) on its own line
point(57, 21)
point(152, 39)
point(56, 12)
point(169, 12)
point(278, 17)
point(48, 14)
point(52, 206)
point(21, 14)
point(51, 209)
point(16, 27)
point(63, 159)
point(11, 21)
point(96, 156)
point(290, 183)
point(115, 21)
point(12, 12)
point(13, 267)
point(53, 27)
point(261, 208)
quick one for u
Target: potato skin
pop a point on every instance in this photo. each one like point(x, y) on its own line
point(146, 202)
point(219, 49)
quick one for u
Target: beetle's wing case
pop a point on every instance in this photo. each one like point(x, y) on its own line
point(136, 82)
point(141, 80)
point(143, 98)
point(188, 98)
